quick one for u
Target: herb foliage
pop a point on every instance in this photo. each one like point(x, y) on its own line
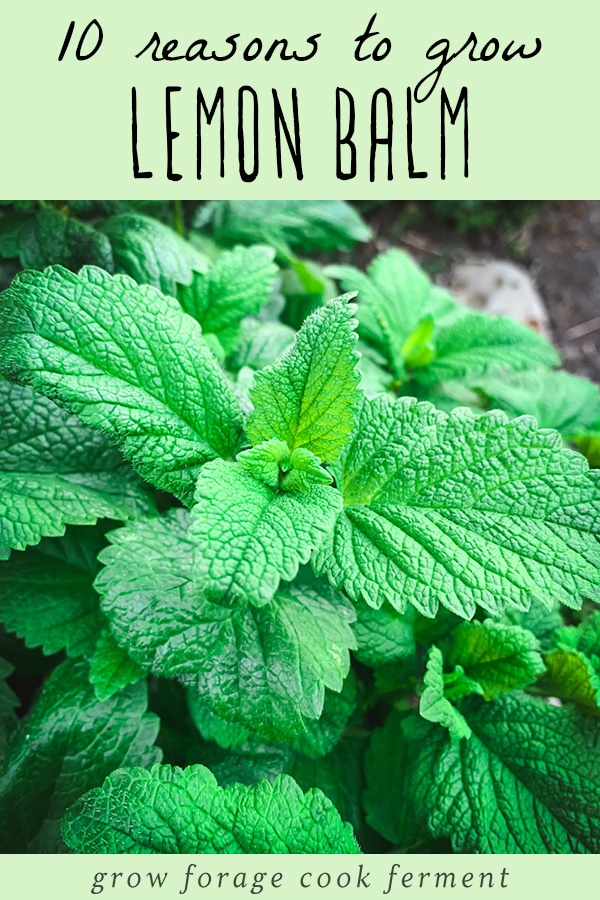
point(303, 568)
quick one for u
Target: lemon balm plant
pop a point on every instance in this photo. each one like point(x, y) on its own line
point(296, 591)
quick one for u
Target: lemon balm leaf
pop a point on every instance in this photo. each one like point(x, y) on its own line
point(127, 361)
point(461, 511)
point(249, 535)
point(265, 668)
point(172, 810)
point(56, 471)
point(307, 398)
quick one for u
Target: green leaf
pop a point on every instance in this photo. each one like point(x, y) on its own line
point(8, 702)
point(571, 676)
point(152, 253)
point(248, 536)
point(499, 657)
point(586, 637)
point(324, 733)
point(434, 706)
point(261, 343)
point(265, 668)
point(171, 810)
point(304, 288)
point(388, 798)
point(395, 300)
point(527, 781)
point(573, 668)
point(48, 236)
point(214, 728)
point(111, 668)
point(589, 444)
point(462, 511)
point(478, 344)
point(272, 463)
point(383, 635)
point(307, 397)
point(417, 349)
point(55, 471)
point(304, 225)
point(67, 744)
point(340, 776)
point(127, 361)
point(557, 399)
point(47, 595)
point(237, 285)
point(319, 739)
point(538, 619)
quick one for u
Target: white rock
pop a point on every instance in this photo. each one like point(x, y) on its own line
point(500, 288)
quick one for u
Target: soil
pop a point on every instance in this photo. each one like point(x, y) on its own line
point(559, 245)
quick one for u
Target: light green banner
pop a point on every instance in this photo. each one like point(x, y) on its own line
point(261, 99)
point(225, 877)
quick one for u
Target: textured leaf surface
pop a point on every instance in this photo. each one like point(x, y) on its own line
point(248, 536)
point(152, 253)
point(261, 343)
point(272, 463)
point(170, 810)
point(126, 360)
point(305, 225)
point(572, 676)
point(47, 595)
point(340, 776)
point(237, 285)
point(48, 236)
point(434, 706)
point(477, 344)
point(393, 298)
point(574, 664)
point(323, 734)
point(55, 471)
point(265, 668)
point(111, 668)
point(67, 744)
point(540, 620)
point(499, 657)
point(307, 397)
point(527, 781)
point(556, 399)
point(461, 510)
point(382, 635)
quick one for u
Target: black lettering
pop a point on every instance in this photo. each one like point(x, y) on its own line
point(453, 114)
point(347, 139)
point(154, 42)
point(409, 139)
point(232, 41)
point(486, 54)
point(209, 114)
point(168, 49)
point(385, 141)
point(134, 139)
point(246, 175)
point(445, 876)
point(520, 51)
point(250, 53)
point(293, 147)
point(171, 135)
point(381, 50)
point(283, 54)
point(312, 40)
